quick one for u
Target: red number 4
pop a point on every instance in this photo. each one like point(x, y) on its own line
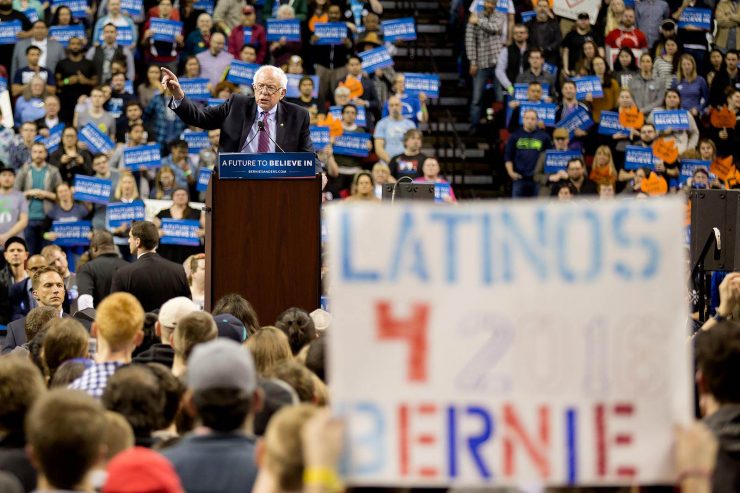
point(412, 330)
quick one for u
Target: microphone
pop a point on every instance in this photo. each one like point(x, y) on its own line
point(261, 127)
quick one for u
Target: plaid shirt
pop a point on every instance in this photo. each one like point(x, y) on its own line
point(95, 378)
point(484, 40)
point(166, 125)
point(18, 154)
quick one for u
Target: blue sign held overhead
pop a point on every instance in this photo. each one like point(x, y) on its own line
point(134, 8)
point(375, 59)
point(418, 83)
point(528, 16)
point(215, 101)
point(266, 166)
point(580, 118)
point(545, 112)
point(558, 160)
point(320, 137)
point(117, 213)
point(180, 232)
point(288, 29)
point(124, 35)
point(294, 81)
point(671, 119)
point(71, 233)
point(352, 144)
point(31, 14)
point(609, 124)
point(92, 189)
point(9, 32)
point(204, 176)
point(196, 141)
point(695, 17)
point(639, 157)
point(330, 33)
point(64, 33)
point(589, 84)
point(96, 140)
point(242, 72)
point(206, 5)
point(165, 29)
point(399, 29)
point(142, 157)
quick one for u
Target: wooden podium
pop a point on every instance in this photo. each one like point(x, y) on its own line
point(263, 241)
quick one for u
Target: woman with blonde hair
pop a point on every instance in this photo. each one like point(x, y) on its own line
point(691, 86)
point(128, 193)
point(269, 347)
point(603, 169)
point(613, 16)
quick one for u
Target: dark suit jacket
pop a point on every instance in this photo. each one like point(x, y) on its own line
point(95, 277)
point(236, 117)
point(20, 299)
point(152, 280)
point(17, 334)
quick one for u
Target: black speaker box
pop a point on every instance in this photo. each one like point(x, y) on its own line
point(715, 209)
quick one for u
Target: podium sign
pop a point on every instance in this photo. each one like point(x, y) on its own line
point(266, 166)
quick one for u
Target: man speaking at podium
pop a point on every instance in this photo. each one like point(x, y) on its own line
point(264, 123)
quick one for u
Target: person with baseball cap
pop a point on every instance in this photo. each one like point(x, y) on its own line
point(219, 457)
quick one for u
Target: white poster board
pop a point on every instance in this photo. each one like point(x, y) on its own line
point(571, 8)
point(509, 343)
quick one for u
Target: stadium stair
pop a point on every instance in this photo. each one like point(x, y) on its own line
point(473, 163)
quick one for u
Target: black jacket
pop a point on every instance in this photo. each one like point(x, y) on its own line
point(157, 353)
point(725, 424)
point(152, 280)
point(95, 277)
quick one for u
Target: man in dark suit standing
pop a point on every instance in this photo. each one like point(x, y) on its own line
point(48, 290)
point(286, 125)
point(151, 279)
point(95, 277)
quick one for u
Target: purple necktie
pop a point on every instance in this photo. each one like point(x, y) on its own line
point(264, 140)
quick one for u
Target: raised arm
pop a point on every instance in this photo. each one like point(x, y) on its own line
point(209, 118)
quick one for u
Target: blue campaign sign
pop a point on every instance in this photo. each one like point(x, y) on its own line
point(689, 166)
point(399, 29)
point(9, 31)
point(294, 81)
point(330, 33)
point(442, 192)
point(520, 90)
point(609, 124)
point(589, 84)
point(204, 176)
point(671, 119)
point(196, 88)
point(266, 166)
point(78, 7)
point(242, 72)
point(215, 101)
point(134, 8)
point(196, 141)
point(32, 14)
point(558, 160)
point(128, 87)
point(180, 232)
point(54, 138)
point(418, 83)
point(165, 29)
point(92, 189)
point(206, 5)
point(3, 84)
point(124, 36)
point(95, 139)
point(71, 233)
point(528, 16)
point(352, 144)
point(638, 157)
point(545, 112)
point(117, 213)
point(64, 33)
point(550, 69)
point(696, 17)
point(579, 118)
point(288, 29)
point(336, 112)
point(142, 157)
point(320, 137)
point(376, 58)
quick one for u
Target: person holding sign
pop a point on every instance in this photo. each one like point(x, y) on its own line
point(103, 54)
point(180, 209)
point(248, 33)
point(534, 96)
point(685, 138)
point(163, 49)
point(522, 151)
point(286, 126)
point(561, 141)
point(569, 104)
point(70, 158)
point(430, 171)
point(120, 20)
point(282, 50)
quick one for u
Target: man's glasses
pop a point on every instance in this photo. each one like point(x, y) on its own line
point(270, 90)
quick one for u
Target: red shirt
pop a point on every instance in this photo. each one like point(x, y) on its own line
point(619, 38)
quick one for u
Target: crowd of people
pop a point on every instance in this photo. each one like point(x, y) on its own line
point(603, 81)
